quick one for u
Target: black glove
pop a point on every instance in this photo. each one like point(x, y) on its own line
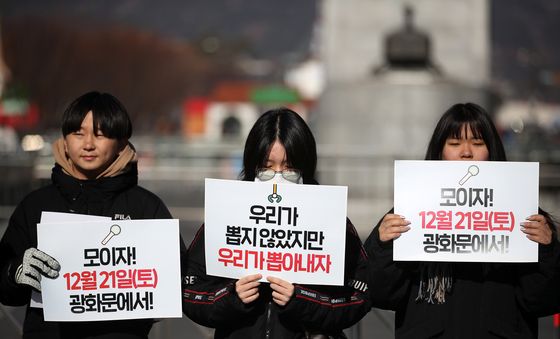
point(33, 265)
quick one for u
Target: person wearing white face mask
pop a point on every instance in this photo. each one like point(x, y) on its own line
point(287, 176)
point(280, 148)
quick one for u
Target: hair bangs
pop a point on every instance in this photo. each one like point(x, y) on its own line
point(454, 123)
point(73, 122)
point(460, 124)
point(106, 124)
point(109, 116)
point(288, 128)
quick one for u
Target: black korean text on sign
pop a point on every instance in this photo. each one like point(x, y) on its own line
point(109, 256)
point(470, 197)
point(278, 215)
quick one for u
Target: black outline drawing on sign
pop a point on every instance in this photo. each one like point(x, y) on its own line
point(473, 171)
point(274, 196)
point(115, 230)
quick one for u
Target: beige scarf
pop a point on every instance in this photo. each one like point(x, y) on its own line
point(126, 157)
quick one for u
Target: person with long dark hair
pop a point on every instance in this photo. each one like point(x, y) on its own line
point(279, 147)
point(95, 173)
point(465, 300)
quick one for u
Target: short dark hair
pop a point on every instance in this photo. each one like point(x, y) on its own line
point(109, 115)
point(455, 120)
point(292, 132)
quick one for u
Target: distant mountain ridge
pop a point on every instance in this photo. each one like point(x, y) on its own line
point(273, 27)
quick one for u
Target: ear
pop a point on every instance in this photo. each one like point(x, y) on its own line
point(65, 146)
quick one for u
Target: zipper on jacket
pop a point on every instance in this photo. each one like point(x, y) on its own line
point(267, 328)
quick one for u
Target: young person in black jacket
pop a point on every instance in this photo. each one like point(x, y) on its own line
point(95, 173)
point(465, 300)
point(280, 146)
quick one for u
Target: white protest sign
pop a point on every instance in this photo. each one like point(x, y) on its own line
point(294, 232)
point(55, 217)
point(116, 269)
point(466, 210)
point(50, 217)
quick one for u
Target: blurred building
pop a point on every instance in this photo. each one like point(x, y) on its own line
point(228, 113)
point(392, 69)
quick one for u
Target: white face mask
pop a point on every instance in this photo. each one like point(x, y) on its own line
point(279, 179)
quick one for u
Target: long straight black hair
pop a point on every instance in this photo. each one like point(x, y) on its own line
point(456, 120)
point(292, 132)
